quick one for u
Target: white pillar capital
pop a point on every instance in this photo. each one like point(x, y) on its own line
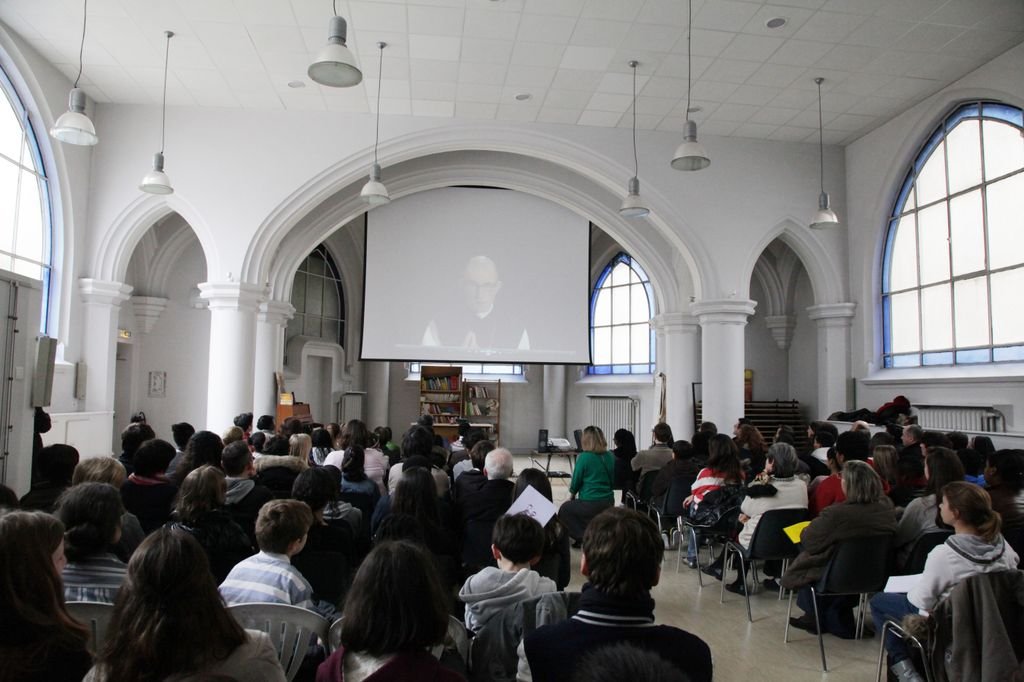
point(833, 314)
point(276, 312)
point(670, 323)
point(147, 311)
point(723, 311)
point(104, 292)
point(781, 328)
point(232, 295)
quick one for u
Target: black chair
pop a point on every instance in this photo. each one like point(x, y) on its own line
point(671, 507)
point(363, 503)
point(858, 566)
point(328, 573)
point(769, 543)
point(919, 553)
point(1015, 538)
point(641, 499)
point(722, 531)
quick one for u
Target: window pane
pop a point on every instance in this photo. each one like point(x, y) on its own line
point(316, 264)
point(936, 318)
point(314, 295)
point(29, 240)
point(295, 326)
point(620, 345)
point(1004, 149)
point(312, 326)
point(906, 361)
point(10, 130)
point(332, 307)
point(638, 306)
point(931, 181)
point(1013, 353)
point(8, 200)
point(967, 233)
point(633, 279)
point(620, 274)
point(27, 269)
point(603, 346)
point(640, 338)
point(1006, 222)
point(934, 243)
point(620, 305)
point(905, 331)
point(1007, 320)
point(963, 150)
point(971, 307)
point(603, 308)
point(903, 263)
point(299, 292)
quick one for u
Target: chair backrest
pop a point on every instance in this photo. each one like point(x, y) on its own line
point(1015, 538)
point(363, 503)
point(644, 489)
point(919, 553)
point(95, 616)
point(858, 565)
point(456, 639)
point(770, 541)
point(290, 628)
point(328, 573)
point(678, 491)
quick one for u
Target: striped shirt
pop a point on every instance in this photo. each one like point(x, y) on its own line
point(96, 578)
point(707, 480)
point(269, 578)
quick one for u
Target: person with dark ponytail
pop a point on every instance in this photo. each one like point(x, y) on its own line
point(977, 546)
point(1004, 476)
point(39, 640)
point(91, 514)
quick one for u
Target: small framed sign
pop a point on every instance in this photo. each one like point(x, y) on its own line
point(157, 384)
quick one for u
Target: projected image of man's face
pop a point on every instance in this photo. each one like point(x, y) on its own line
point(480, 285)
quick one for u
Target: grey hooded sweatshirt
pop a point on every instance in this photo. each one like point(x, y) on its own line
point(492, 590)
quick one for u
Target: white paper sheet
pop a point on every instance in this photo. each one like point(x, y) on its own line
point(532, 503)
point(902, 583)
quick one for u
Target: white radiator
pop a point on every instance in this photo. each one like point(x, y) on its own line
point(960, 418)
point(614, 412)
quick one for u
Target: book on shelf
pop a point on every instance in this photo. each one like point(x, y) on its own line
point(439, 383)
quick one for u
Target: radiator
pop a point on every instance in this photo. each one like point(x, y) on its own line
point(614, 412)
point(961, 418)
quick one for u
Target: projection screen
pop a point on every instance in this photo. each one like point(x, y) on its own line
point(465, 274)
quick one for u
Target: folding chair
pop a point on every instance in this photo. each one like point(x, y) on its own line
point(290, 628)
point(96, 617)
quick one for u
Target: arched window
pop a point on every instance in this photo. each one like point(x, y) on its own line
point(954, 255)
point(621, 307)
point(318, 299)
point(25, 229)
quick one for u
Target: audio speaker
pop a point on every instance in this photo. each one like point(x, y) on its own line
point(81, 379)
point(42, 377)
point(542, 440)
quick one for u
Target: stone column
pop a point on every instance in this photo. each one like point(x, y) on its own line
point(833, 320)
point(102, 302)
point(554, 401)
point(233, 308)
point(722, 323)
point(271, 321)
point(377, 380)
point(678, 357)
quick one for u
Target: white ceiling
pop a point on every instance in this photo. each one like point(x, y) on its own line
point(469, 58)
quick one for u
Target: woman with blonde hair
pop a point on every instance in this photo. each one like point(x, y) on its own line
point(592, 484)
point(283, 459)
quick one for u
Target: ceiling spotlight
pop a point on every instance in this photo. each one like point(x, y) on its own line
point(776, 22)
point(73, 126)
point(523, 96)
point(824, 217)
point(295, 85)
point(335, 66)
point(690, 154)
point(156, 180)
point(633, 206)
point(374, 192)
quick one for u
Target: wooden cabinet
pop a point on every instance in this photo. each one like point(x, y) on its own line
point(441, 393)
point(446, 397)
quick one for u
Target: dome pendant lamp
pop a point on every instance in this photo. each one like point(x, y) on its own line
point(633, 206)
point(335, 65)
point(374, 192)
point(690, 155)
point(73, 126)
point(156, 181)
point(824, 217)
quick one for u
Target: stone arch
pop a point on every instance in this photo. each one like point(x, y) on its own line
point(823, 267)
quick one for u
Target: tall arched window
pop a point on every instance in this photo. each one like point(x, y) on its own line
point(621, 307)
point(25, 230)
point(954, 255)
point(318, 299)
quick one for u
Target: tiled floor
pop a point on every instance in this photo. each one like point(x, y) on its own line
point(743, 650)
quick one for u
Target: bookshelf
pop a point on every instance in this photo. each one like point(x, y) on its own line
point(441, 397)
point(482, 406)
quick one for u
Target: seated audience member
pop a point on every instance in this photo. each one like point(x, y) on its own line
point(138, 418)
point(281, 529)
point(911, 441)
point(57, 466)
point(656, 456)
point(39, 640)
point(958, 440)
point(279, 465)
point(864, 512)
point(244, 496)
point(723, 468)
point(200, 511)
point(885, 462)
point(459, 444)
point(880, 438)
point(353, 475)
point(257, 440)
point(777, 488)
point(265, 424)
point(976, 547)
point(291, 426)
point(480, 509)
point(401, 527)
point(817, 460)
point(469, 473)
point(148, 493)
point(1005, 477)
point(683, 466)
point(419, 442)
point(91, 514)
point(618, 662)
point(851, 445)
point(396, 609)
point(375, 464)
point(555, 558)
point(752, 449)
point(8, 498)
point(133, 436)
point(317, 488)
point(244, 422)
point(784, 434)
point(974, 466)
point(170, 623)
point(384, 440)
point(983, 444)
point(624, 451)
point(910, 479)
point(232, 435)
point(416, 496)
point(941, 466)
point(700, 443)
point(204, 447)
point(621, 558)
point(709, 428)
point(934, 439)
point(180, 433)
point(590, 490)
point(339, 511)
point(322, 444)
point(516, 544)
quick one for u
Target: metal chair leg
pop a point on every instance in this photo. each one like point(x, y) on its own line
point(746, 588)
point(727, 558)
point(789, 614)
point(782, 590)
point(817, 623)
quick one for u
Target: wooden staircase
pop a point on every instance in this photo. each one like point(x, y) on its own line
point(767, 415)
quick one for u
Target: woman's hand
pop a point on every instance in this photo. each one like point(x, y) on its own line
point(744, 518)
point(688, 501)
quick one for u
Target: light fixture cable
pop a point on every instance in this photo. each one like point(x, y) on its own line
point(380, 82)
point(81, 46)
point(636, 161)
point(163, 108)
point(689, 53)
point(821, 137)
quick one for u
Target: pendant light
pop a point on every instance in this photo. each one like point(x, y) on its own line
point(824, 217)
point(335, 66)
point(156, 181)
point(690, 155)
point(633, 206)
point(374, 192)
point(73, 126)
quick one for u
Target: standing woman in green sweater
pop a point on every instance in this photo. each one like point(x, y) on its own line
point(591, 487)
